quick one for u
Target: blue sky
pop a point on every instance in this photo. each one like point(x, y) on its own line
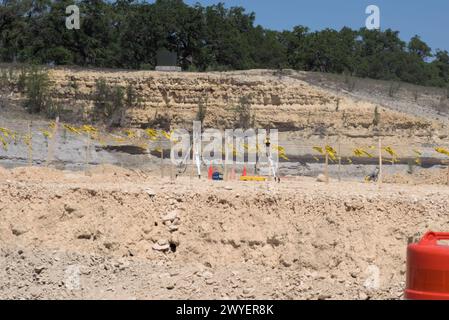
point(429, 19)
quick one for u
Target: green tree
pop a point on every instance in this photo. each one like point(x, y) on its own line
point(129, 33)
point(418, 47)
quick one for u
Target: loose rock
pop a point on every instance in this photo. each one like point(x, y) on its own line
point(161, 245)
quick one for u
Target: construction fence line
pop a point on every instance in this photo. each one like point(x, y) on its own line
point(158, 141)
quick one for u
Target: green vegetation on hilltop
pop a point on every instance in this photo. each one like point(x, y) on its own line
point(128, 34)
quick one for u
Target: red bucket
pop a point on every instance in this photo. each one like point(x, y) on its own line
point(428, 268)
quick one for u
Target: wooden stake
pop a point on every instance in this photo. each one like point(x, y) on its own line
point(448, 173)
point(172, 176)
point(51, 146)
point(86, 160)
point(162, 157)
point(191, 170)
point(30, 144)
point(326, 168)
point(339, 158)
point(379, 178)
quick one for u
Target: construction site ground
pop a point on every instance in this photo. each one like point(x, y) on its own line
point(126, 234)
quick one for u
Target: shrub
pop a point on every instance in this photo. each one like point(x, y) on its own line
point(244, 118)
point(202, 111)
point(132, 99)
point(53, 110)
point(160, 121)
point(350, 82)
point(376, 118)
point(442, 107)
point(393, 89)
point(108, 102)
point(8, 80)
point(74, 85)
point(4, 80)
point(37, 90)
point(415, 95)
point(21, 81)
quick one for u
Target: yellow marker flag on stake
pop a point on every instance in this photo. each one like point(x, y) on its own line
point(281, 149)
point(46, 134)
point(281, 153)
point(319, 150)
point(130, 134)
point(166, 134)
point(72, 129)
point(6, 132)
point(417, 159)
point(152, 134)
point(119, 139)
point(392, 153)
point(442, 151)
point(332, 153)
point(358, 152)
point(27, 140)
point(90, 130)
point(4, 143)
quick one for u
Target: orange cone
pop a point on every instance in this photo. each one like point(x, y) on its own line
point(210, 172)
point(244, 172)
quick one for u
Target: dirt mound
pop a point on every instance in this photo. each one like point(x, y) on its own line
point(110, 170)
point(36, 174)
point(110, 173)
point(425, 177)
point(105, 173)
point(297, 240)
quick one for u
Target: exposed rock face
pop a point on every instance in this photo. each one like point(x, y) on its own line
point(277, 102)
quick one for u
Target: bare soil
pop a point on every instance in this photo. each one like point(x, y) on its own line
point(117, 233)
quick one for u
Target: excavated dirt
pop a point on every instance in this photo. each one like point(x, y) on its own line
point(116, 233)
point(422, 177)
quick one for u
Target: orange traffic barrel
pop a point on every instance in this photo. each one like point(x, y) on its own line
point(428, 268)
